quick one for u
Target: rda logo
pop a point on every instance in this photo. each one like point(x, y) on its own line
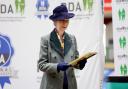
point(6, 52)
point(42, 8)
point(7, 8)
point(88, 4)
point(20, 5)
point(122, 14)
point(122, 42)
point(123, 69)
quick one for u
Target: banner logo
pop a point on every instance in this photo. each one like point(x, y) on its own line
point(42, 8)
point(122, 42)
point(122, 14)
point(123, 69)
point(6, 52)
point(82, 10)
point(88, 4)
point(12, 10)
point(20, 5)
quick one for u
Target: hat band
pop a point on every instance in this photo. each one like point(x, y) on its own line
point(60, 14)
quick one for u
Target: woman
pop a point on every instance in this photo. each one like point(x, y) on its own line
point(57, 50)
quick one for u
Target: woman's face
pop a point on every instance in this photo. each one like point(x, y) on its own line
point(61, 24)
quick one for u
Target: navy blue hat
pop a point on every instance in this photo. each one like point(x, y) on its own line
point(61, 13)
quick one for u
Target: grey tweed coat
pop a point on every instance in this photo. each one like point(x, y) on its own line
point(50, 55)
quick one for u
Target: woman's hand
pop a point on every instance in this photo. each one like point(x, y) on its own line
point(62, 66)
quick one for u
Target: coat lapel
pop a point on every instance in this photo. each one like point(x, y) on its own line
point(67, 43)
point(55, 43)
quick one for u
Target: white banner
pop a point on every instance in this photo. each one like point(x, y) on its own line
point(92, 75)
point(120, 36)
point(23, 24)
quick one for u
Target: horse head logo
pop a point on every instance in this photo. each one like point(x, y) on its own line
point(42, 6)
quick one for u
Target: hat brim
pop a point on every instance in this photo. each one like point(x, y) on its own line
point(62, 16)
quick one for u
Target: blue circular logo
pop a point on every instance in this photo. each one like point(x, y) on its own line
point(6, 51)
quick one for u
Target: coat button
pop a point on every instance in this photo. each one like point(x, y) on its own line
point(73, 76)
point(55, 57)
point(71, 57)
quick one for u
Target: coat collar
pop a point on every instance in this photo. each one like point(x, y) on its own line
point(55, 43)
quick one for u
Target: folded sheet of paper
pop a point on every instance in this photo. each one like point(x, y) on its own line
point(83, 57)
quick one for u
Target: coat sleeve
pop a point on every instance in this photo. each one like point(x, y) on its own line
point(76, 53)
point(76, 50)
point(43, 63)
